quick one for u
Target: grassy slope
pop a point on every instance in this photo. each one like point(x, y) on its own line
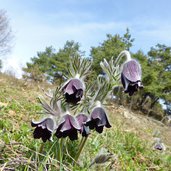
point(130, 137)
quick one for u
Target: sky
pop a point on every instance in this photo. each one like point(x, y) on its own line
point(37, 24)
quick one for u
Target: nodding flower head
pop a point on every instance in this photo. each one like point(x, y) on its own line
point(81, 118)
point(131, 76)
point(73, 90)
point(98, 119)
point(44, 129)
point(68, 126)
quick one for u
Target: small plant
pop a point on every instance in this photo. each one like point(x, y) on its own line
point(77, 107)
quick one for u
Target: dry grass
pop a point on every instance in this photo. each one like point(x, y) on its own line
point(143, 126)
point(130, 138)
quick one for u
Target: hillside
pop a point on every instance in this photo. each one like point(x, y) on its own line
point(143, 126)
point(130, 139)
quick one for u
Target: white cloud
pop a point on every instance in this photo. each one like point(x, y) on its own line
point(32, 37)
point(12, 65)
point(33, 32)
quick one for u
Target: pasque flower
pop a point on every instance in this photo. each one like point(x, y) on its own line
point(73, 90)
point(103, 156)
point(68, 126)
point(82, 118)
point(131, 76)
point(158, 145)
point(98, 119)
point(44, 129)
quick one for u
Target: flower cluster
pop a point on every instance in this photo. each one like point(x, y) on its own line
point(69, 126)
point(73, 109)
point(66, 122)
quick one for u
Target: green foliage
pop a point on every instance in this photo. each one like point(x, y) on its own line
point(50, 64)
point(127, 39)
point(39, 65)
point(156, 74)
point(34, 72)
point(19, 151)
point(160, 61)
point(156, 68)
point(156, 78)
point(111, 47)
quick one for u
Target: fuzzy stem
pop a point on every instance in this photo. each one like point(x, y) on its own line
point(77, 76)
point(122, 54)
point(41, 147)
point(60, 153)
point(95, 96)
point(82, 143)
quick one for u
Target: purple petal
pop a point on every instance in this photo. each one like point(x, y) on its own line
point(68, 122)
point(37, 133)
point(44, 129)
point(73, 85)
point(64, 124)
point(158, 147)
point(124, 81)
point(68, 126)
point(132, 70)
point(50, 124)
point(74, 98)
point(36, 123)
point(74, 123)
point(98, 120)
point(45, 134)
point(78, 84)
point(81, 118)
point(99, 129)
point(73, 135)
point(99, 113)
point(44, 123)
point(130, 87)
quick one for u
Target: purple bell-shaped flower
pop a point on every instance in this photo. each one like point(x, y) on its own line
point(82, 118)
point(98, 119)
point(44, 129)
point(68, 126)
point(73, 90)
point(131, 76)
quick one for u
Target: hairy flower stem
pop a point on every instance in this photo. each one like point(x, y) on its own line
point(41, 147)
point(122, 54)
point(82, 143)
point(95, 96)
point(60, 154)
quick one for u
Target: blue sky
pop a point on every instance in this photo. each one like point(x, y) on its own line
point(40, 23)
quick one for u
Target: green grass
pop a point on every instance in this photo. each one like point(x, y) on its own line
point(19, 151)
